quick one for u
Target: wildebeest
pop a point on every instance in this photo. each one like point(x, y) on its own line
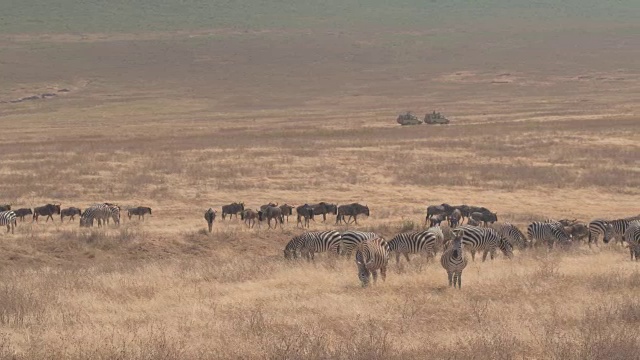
point(70, 212)
point(455, 217)
point(484, 217)
point(48, 210)
point(473, 222)
point(287, 210)
point(250, 217)
point(232, 209)
point(434, 210)
point(323, 208)
point(353, 210)
point(141, 211)
point(305, 212)
point(5, 207)
point(210, 216)
point(271, 212)
point(578, 231)
point(436, 220)
point(21, 213)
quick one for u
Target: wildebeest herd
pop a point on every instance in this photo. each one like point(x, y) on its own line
point(481, 233)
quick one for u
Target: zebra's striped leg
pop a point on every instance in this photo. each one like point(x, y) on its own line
point(383, 273)
point(406, 256)
point(397, 258)
point(450, 276)
point(374, 273)
point(459, 279)
point(473, 255)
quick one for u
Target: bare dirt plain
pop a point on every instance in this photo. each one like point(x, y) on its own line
point(543, 126)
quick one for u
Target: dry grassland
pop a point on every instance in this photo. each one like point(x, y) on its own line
point(179, 126)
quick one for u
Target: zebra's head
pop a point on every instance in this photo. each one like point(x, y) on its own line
point(506, 247)
point(363, 274)
point(456, 244)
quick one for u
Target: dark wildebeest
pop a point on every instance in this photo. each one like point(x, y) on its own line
point(232, 209)
point(472, 222)
point(210, 215)
point(271, 212)
point(48, 210)
point(287, 210)
point(455, 217)
point(437, 210)
point(250, 217)
point(5, 207)
point(323, 208)
point(485, 217)
point(70, 212)
point(577, 231)
point(305, 211)
point(464, 211)
point(437, 219)
point(21, 213)
point(353, 210)
point(141, 211)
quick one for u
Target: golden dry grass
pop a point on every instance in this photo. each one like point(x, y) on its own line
point(560, 143)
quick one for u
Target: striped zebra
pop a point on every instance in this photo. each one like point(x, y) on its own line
point(350, 239)
point(442, 234)
point(9, 219)
point(100, 213)
point(547, 232)
point(483, 239)
point(453, 260)
point(608, 229)
point(372, 255)
point(310, 243)
point(511, 233)
point(632, 237)
point(413, 243)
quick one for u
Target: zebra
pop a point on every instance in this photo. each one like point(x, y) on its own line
point(98, 212)
point(310, 243)
point(441, 235)
point(618, 228)
point(287, 210)
point(485, 239)
point(114, 213)
point(511, 233)
point(232, 209)
point(305, 212)
point(453, 260)
point(413, 243)
point(21, 213)
point(372, 255)
point(323, 208)
point(350, 239)
point(548, 232)
point(47, 210)
point(632, 237)
point(209, 215)
point(141, 211)
point(9, 219)
point(70, 212)
point(353, 210)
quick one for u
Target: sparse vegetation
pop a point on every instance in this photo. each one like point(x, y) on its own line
point(263, 108)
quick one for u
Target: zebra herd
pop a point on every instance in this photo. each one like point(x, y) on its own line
point(372, 251)
point(100, 213)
